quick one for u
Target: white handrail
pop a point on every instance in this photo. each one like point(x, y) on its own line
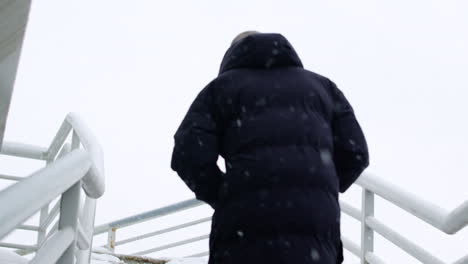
point(65, 175)
point(19, 203)
point(456, 220)
point(93, 183)
point(402, 242)
point(447, 222)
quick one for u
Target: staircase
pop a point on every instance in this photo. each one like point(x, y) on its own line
point(449, 222)
point(73, 168)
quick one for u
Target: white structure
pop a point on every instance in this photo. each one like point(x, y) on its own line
point(71, 168)
point(13, 19)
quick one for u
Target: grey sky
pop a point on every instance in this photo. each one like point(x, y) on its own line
point(132, 68)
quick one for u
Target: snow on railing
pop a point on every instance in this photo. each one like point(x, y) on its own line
point(447, 222)
point(69, 169)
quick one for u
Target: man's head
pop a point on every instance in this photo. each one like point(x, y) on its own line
point(243, 35)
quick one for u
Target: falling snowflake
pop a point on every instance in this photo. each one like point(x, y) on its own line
point(326, 156)
point(315, 255)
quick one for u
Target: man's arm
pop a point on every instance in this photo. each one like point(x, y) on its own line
point(351, 155)
point(196, 149)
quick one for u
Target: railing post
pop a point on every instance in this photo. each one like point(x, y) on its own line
point(87, 222)
point(69, 212)
point(111, 235)
point(367, 234)
point(69, 209)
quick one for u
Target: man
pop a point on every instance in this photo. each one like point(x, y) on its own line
point(291, 143)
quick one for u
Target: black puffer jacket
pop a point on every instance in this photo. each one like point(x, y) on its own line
point(291, 142)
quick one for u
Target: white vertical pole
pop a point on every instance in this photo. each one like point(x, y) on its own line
point(111, 236)
point(69, 208)
point(367, 234)
point(87, 222)
point(69, 212)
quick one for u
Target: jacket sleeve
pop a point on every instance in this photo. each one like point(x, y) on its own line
point(351, 154)
point(196, 149)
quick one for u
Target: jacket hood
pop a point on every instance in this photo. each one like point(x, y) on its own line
point(260, 51)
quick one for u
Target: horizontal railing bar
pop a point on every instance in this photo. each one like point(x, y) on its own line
point(28, 227)
point(21, 206)
point(402, 242)
point(23, 150)
point(54, 247)
point(351, 246)
point(424, 210)
point(149, 215)
point(176, 244)
point(373, 259)
point(203, 254)
point(17, 246)
point(163, 231)
point(350, 210)
point(11, 178)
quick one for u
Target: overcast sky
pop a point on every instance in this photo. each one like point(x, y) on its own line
point(132, 68)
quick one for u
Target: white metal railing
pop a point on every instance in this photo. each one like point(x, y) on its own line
point(69, 169)
point(447, 222)
point(112, 227)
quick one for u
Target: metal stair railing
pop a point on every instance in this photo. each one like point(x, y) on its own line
point(69, 169)
point(449, 222)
